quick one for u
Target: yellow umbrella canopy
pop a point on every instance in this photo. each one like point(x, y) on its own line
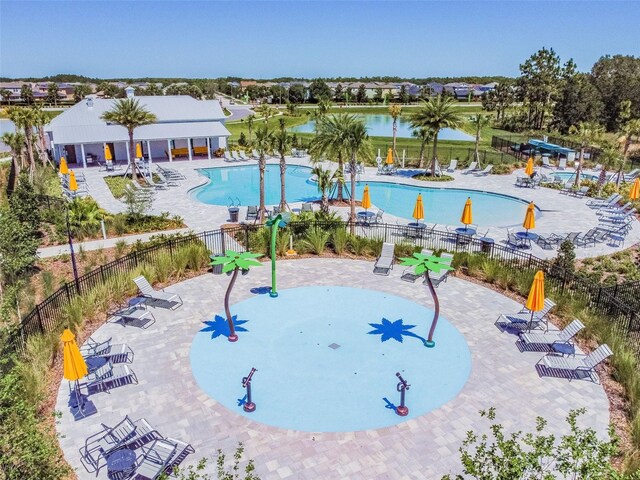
point(107, 153)
point(73, 184)
point(530, 217)
point(366, 198)
point(64, 169)
point(535, 300)
point(529, 169)
point(634, 193)
point(74, 366)
point(418, 209)
point(138, 150)
point(467, 215)
point(389, 157)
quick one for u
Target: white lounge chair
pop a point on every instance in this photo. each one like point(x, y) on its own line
point(549, 338)
point(473, 167)
point(452, 166)
point(523, 319)
point(438, 278)
point(157, 296)
point(384, 263)
point(485, 171)
point(576, 365)
point(243, 156)
point(228, 157)
point(409, 274)
point(562, 164)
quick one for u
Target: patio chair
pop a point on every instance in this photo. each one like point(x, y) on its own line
point(452, 166)
point(306, 207)
point(116, 353)
point(97, 446)
point(378, 217)
point(109, 376)
point(235, 156)
point(486, 171)
point(575, 366)
point(614, 209)
point(438, 278)
point(515, 241)
point(579, 193)
point(562, 164)
point(597, 168)
point(632, 175)
point(182, 450)
point(158, 297)
point(600, 203)
point(384, 263)
point(546, 163)
point(549, 338)
point(252, 213)
point(572, 237)
point(154, 459)
point(254, 154)
point(409, 274)
point(228, 158)
point(471, 168)
point(588, 239)
point(523, 319)
point(243, 156)
point(547, 243)
point(360, 168)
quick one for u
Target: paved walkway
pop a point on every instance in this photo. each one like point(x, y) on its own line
point(560, 213)
point(426, 447)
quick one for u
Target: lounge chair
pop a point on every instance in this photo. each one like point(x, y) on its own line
point(378, 217)
point(546, 163)
point(384, 263)
point(306, 207)
point(158, 297)
point(438, 278)
point(452, 166)
point(583, 365)
point(614, 209)
point(182, 450)
point(252, 213)
point(579, 193)
point(549, 338)
point(154, 459)
point(632, 175)
point(562, 164)
point(254, 154)
point(548, 243)
point(115, 352)
point(486, 171)
point(98, 446)
point(228, 158)
point(409, 274)
point(597, 168)
point(109, 376)
point(600, 203)
point(471, 168)
point(243, 156)
point(235, 156)
point(515, 241)
point(523, 319)
point(590, 238)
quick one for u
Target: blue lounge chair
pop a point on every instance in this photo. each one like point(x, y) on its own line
point(584, 365)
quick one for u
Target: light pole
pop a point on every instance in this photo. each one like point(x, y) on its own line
point(279, 220)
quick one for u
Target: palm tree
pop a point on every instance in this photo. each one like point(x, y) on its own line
point(40, 120)
point(425, 135)
point(331, 142)
point(264, 140)
point(85, 216)
point(325, 179)
point(395, 111)
point(479, 121)
point(15, 142)
point(282, 144)
point(24, 119)
point(233, 262)
point(587, 133)
point(424, 264)
point(631, 134)
point(130, 114)
point(249, 120)
point(359, 147)
point(437, 113)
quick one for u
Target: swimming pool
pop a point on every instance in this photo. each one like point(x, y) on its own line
point(327, 356)
point(381, 125)
point(572, 176)
point(441, 205)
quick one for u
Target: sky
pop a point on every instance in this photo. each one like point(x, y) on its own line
point(198, 39)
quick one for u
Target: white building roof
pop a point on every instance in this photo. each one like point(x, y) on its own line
point(179, 116)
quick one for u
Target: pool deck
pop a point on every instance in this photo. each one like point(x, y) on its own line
point(426, 447)
point(560, 214)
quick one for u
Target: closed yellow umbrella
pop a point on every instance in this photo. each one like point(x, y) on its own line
point(530, 217)
point(366, 198)
point(467, 215)
point(64, 169)
point(389, 157)
point(74, 366)
point(73, 184)
point(107, 153)
point(634, 193)
point(138, 151)
point(529, 169)
point(418, 210)
point(535, 300)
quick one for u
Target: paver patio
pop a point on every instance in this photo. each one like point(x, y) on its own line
point(426, 447)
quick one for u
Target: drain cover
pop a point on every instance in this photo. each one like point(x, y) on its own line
point(334, 346)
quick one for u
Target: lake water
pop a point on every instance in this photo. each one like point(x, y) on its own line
point(380, 125)
point(5, 126)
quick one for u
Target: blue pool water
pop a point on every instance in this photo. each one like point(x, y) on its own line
point(321, 366)
point(571, 176)
point(441, 205)
point(381, 125)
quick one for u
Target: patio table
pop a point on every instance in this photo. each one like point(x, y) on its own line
point(121, 461)
point(365, 217)
point(528, 237)
point(464, 235)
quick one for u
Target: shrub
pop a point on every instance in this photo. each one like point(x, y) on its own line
point(429, 178)
point(339, 240)
point(316, 240)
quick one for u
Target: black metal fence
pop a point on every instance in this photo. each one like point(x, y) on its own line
point(614, 306)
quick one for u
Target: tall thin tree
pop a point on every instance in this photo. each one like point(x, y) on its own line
point(425, 135)
point(479, 121)
point(587, 134)
point(282, 144)
point(359, 147)
point(264, 140)
point(395, 111)
point(24, 119)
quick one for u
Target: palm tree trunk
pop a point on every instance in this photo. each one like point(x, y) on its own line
point(340, 167)
point(283, 171)
point(476, 153)
point(423, 143)
point(434, 161)
point(352, 215)
point(579, 169)
point(436, 312)
point(395, 132)
point(261, 211)
point(28, 133)
point(232, 331)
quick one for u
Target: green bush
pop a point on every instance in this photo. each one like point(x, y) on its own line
point(316, 240)
point(429, 178)
point(339, 240)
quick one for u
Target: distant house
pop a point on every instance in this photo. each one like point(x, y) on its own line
point(186, 129)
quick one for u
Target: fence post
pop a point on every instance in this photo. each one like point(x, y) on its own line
point(135, 257)
point(39, 318)
point(171, 247)
point(66, 288)
point(246, 237)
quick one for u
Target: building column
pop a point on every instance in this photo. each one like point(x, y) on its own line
point(149, 154)
point(126, 144)
point(189, 149)
point(169, 150)
point(208, 148)
point(84, 157)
